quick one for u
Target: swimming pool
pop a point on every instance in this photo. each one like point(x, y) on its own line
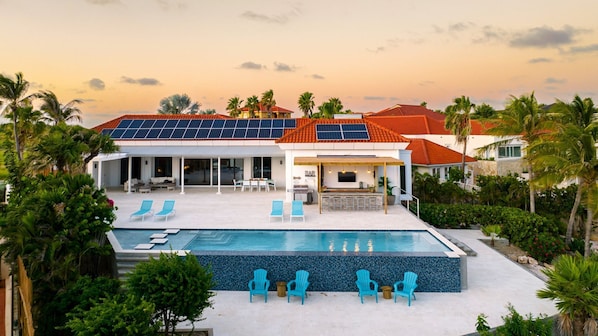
point(331, 257)
point(294, 240)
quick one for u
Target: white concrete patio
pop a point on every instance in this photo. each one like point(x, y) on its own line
point(493, 281)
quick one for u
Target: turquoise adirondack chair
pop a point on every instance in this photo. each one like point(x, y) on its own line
point(298, 287)
point(259, 284)
point(366, 286)
point(145, 209)
point(167, 210)
point(409, 284)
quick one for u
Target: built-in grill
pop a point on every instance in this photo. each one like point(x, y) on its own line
point(300, 192)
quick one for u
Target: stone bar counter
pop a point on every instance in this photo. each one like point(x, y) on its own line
point(351, 200)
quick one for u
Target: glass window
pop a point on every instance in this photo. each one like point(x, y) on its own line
point(509, 151)
point(262, 167)
point(163, 167)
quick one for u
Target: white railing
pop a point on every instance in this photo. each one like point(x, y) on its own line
point(409, 199)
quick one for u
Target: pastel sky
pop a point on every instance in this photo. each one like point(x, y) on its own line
point(124, 56)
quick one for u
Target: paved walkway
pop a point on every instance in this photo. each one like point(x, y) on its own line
point(493, 281)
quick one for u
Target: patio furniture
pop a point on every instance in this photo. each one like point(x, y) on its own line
point(162, 182)
point(298, 287)
point(245, 184)
point(366, 286)
point(254, 184)
point(145, 209)
point(297, 210)
point(271, 184)
point(167, 210)
point(277, 210)
point(237, 183)
point(259, 284)
point(409, 285)
point(263, 184)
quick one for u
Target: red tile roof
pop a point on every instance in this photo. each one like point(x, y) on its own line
point(421, 124)
point(307, 132)
point(114, 122)
point(407, 110)
point(274, 109)
point(427, 153)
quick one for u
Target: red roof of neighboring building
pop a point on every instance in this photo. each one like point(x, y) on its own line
point(408, 110)
point(307, 132)
point(114, 122)
point(263, 109)
point(426, 152)
point(421, 124)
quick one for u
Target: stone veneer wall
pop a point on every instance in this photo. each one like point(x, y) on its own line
point(335, 272)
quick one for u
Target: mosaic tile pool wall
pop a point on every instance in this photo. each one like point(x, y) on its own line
point(336, 273)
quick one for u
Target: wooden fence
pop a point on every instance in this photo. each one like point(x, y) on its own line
point(26, 295)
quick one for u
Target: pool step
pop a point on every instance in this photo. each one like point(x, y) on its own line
point(214, 237)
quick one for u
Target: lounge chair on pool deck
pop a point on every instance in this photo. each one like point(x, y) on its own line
point(167, 210)
point(277, 210)
point(297, 210)
point(409, 286)
point(145, 209)
point(298, 287)
point(259, 284)
point(365, 285)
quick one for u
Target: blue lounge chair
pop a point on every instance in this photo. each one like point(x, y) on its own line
point(259, 284)
point(298, 287)
point(297, 210)
point(409, 286)
point(145, 209)
point(277, 210)
point(366, 286)
point(167, 210)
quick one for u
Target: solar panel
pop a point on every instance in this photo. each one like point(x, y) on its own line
point(107, 131)
point(171, 123)
point(203, 128)
point(148, 123)
point(124, 123)
point(227, 133)
point(342, 132)
point(142, 133)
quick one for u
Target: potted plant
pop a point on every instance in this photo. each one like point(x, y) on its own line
point(389, 187)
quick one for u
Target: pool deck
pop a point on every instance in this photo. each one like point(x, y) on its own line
point(493, 280)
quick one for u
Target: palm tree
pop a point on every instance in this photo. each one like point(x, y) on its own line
point(522, 119)
point(13, 93)
point(568, 152)
point(458, 122)
point(55, 112)
point(268, 102)
point(483, 111)
point(253, 104)
point(328, 109)
point(234, 107)
point(178, 104)
point(573, 285)
point(306, 103)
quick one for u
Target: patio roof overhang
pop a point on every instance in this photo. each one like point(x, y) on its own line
point(348, 160)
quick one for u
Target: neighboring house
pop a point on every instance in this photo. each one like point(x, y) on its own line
point(430, 126)
point(277, 112)
point(434, 159)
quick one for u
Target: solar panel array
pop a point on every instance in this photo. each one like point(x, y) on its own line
point(342, 132)
point(165, 129)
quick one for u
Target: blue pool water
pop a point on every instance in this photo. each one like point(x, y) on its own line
point(289, 240)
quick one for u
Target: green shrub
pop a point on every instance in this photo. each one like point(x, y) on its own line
point(517, 325)
point(545, 247)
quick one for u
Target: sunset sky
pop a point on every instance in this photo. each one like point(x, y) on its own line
point(124, 56)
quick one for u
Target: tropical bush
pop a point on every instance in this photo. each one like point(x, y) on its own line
point(179, 288)
point(573, 285)
point(545, 247)
point(516, 325)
